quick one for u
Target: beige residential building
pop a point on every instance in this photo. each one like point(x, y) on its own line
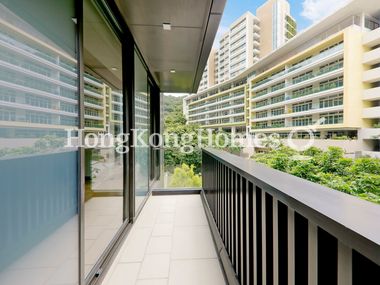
point(208, 77)
point(277, 25)
point(239, 48)
point(248, 39)
point(327, 80)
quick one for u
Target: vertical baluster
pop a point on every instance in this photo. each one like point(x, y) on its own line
point(344, 264)
point(263, 239)
point(312, 254)
point(275, 241)
point(291, 252)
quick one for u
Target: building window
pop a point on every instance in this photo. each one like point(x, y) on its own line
point(301, 107)
point(332, 118)
point(278, 111)
point(331, 101)
point(302, 121)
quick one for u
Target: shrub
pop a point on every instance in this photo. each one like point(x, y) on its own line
point(336, 182)
point(366, 165)
point(184, 176)
point(360, 177)
point(312, 151)
point(279, 161)
point(305, 169)
point(329, 160)
point(367, 183)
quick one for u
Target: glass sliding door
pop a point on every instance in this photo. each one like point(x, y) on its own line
point(38, 174)
point(103, 114)
point(142, 132)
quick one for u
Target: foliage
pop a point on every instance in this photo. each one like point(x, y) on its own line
point(366, 165)
point(175, 125)
point(184, 176)
point(359, 177)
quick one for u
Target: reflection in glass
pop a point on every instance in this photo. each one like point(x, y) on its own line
point(142, 126)
point(38, 175)
point(103, 113)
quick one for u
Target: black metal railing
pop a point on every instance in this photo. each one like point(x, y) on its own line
point(280, 229)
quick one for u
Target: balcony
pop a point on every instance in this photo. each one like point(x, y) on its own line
point(372, 57)
point(372, 38)
point(372, 94)
point(371, 113)
point(372, 75)
point(370, 133)
point(331, 54)
point(170, 243)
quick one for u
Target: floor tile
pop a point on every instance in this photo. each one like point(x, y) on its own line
point(189, 217)
point(135, 247)
point(162, 230)
point(196, 272)
point(159, 245)
point(152, 282)
point(123, 274)
point(193, 242)
point(165, 218)
point(155, 266)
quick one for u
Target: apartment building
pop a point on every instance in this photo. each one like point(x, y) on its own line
point(37, 85)
point(248, 39)
point(277, 25)
point(221, 106)
point(208, 76)
point(326, 79)
point(239, 48)
point(29, 93)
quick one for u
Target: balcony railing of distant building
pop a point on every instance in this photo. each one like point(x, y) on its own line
point(323, 70)
point(304, 63)
point(274, 228)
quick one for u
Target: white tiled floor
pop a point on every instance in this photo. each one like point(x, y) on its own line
point(170, 244)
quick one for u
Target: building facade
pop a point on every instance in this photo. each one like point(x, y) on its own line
point(208, 76)
point(277, 25)
point(325, 80)
point(248, 39)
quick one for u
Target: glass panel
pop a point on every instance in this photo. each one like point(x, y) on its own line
point(103, 111)
point(142, 126)
point(38, 174)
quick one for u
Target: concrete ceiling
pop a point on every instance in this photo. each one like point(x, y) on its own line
point(185, 48)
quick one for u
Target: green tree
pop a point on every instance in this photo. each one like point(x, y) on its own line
point(184, 176)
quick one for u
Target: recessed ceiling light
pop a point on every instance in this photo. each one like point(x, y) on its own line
point(113, 68)
point(172, 70)
point(166, 26)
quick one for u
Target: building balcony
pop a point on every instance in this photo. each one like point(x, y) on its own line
point(303, 113)
point(314, 94)
point(372, 94)
point(372, 38)
point(372, 57)
point(371, 113)
point(332, 72)
point(317, 60)
point(372, 75)
point(369, 133)
point(170, 243)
